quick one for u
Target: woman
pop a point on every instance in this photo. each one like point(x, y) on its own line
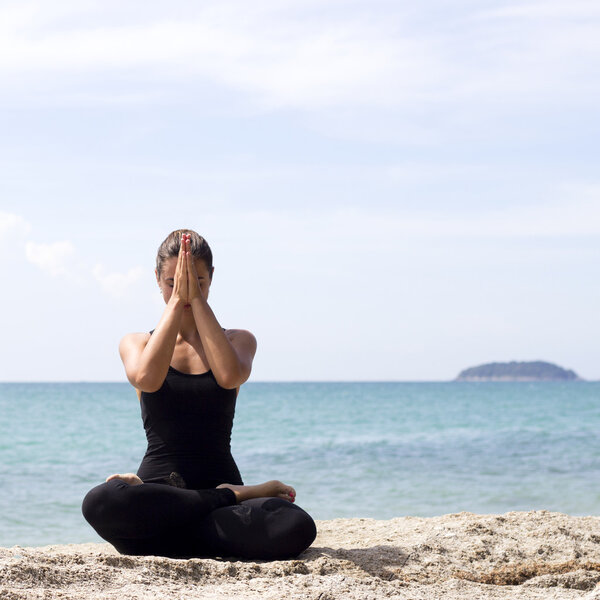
point(187, 373)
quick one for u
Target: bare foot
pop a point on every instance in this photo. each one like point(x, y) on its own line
point(269, 489)
point(130, 478)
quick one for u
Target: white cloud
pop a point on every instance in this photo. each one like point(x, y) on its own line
point(545, 9)
point(573, 211)
point(292, 55)
point(283, 62)
point(11, 223)
point(54, 258)
point(413, 171)
point(117, 285)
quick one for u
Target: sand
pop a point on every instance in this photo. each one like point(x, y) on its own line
point(521, 555)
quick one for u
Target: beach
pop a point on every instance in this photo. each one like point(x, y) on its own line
point(536, 554)
point(361, 456)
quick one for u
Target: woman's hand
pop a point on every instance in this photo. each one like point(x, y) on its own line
point(193, 285)
point(180, 293)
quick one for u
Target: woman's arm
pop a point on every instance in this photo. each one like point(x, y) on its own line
point(229, 355)
point(147, 358)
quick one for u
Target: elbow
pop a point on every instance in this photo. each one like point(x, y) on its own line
point(229, 383)
point(231, 379)
point(145, 382)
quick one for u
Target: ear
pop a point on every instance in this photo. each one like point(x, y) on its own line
point(212, 271)
point(157, 276)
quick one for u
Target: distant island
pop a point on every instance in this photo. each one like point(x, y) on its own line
point(518, 371)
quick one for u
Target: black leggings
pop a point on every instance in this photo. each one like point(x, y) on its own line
point(162, 520)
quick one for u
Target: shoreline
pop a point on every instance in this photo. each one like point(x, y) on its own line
point(536, 554)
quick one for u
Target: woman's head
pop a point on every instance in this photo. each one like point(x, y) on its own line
point(172, 243)
point(166, 261)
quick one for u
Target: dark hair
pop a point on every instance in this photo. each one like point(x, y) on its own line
point(172, 244)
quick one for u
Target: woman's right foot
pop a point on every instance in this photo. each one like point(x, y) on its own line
point(269, 489)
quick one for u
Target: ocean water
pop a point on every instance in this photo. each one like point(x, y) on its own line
point(376, 450)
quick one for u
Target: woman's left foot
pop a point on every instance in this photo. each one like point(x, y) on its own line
point(269, 489)
point(130, 478)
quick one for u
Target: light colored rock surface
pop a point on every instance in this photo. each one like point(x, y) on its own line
point(517, 555)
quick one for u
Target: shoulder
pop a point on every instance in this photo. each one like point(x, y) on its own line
point(241, 338)
point(240, 334)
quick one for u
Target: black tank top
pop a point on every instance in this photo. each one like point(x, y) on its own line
point(188, 424)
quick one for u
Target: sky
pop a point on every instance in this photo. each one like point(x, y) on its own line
point(392, 190)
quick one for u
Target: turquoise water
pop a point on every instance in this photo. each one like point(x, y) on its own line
point(351, 449)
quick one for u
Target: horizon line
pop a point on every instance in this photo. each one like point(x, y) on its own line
point(112, 381)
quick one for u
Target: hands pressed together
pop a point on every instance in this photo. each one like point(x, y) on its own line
point(185, 285)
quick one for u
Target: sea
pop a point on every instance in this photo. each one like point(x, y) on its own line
point(374, 450)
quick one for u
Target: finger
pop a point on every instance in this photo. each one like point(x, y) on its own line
point(184, 276)
point(181, 256)
point(186, 262)
point(189, 264)
point(179, 271)
point(192, 280)
point(181, 251)
point(115, 476)
point(177, 267)
point(192, 264)
point(194, 285)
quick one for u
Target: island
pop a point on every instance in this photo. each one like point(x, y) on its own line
point(537, 370)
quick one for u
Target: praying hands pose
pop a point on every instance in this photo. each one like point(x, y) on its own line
point(188, 497)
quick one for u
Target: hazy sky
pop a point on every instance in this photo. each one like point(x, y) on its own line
point(392, 190)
